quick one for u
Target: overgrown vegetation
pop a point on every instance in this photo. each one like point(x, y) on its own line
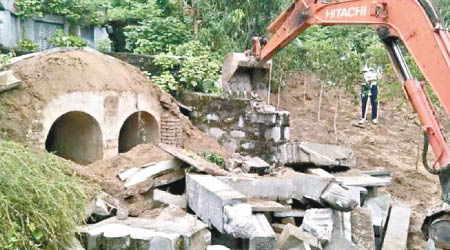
point(60, 39)
point(40, 205)
point(214, 158)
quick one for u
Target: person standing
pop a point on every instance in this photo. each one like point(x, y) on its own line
point(369, 90)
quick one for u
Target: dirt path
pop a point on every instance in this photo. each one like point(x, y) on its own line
point(393, 144)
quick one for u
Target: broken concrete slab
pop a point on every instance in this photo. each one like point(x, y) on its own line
point(149, 171)
point(161, 197)
point(295, 185)
point(293, 237)
point(363, 233)
point(103, 206)
point(8, 81)
point(259, 205)
point(207, 196)
point(396, 235)
point(307, 153)
point(379, 208)
point(255, 165)
point(194, 160)
point(319, 223)
point(340, 243)
point(172, 229)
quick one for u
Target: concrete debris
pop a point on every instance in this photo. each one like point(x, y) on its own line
point(74, 245)
point(207, 196)
point(379, 208)
point(278, 227)
point(320, 172)
point(255, 165)
point(295, 185)
point(168, 178)
point(161, 197)
point(8, 81)
point(194, 160)
point(362, 230)
point(397, 230)
point(319, 223)
point(264, 237)
point(267, 206)
point(293, 237)
point(340, 243)
point(363, 180)
point(296, 213)
point(148, 172)
point(307, 153)
point(103, 206)
point(173, 229)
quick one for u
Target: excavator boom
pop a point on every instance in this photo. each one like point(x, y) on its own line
point(415, 23)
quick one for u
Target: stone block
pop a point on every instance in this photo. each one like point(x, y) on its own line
point(255, 165)
point(162, 197)
point(216, 132)
point(396, 235)
point(207, 196)
point(237, 134)
point(294, 238)
point(308, 153)
point(379, 208)
point(319, 223)
point(362, 228)
point(263, 238)
point(273, 134)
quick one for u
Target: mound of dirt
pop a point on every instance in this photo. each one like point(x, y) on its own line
point(393, 144)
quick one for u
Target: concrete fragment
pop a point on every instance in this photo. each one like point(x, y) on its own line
point(207, 196)
point(264, 237)
point(278, 227)
point(149, 171)
point(320, 172)
point(168, 178)
point(8, 81)
point(239, 221)
point(166, 198)
point(363, 180)
point(296, 213)
point(396, 235)
point(255, 165)
point(172, 229)
point(341, 198)
point(193, 159)
point(362, 230)
point(379, 208)
point(308, 153)
point(267, 206)
point(341, 243)
point(319, 223)
point(294, 238)
point(103, 206)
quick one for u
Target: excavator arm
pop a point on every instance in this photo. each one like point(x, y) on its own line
point(415, 23)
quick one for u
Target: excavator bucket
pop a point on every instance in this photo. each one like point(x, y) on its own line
point(245, 74)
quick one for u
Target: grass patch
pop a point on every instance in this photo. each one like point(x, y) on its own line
point(40, 205)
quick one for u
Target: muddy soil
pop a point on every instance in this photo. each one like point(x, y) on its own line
point(392, 144)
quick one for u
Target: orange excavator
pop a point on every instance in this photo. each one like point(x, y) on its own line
point(418, 25)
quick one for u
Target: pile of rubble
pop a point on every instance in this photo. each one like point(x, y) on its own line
point(250, 205)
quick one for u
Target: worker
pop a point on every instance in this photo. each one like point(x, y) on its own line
point(369, 90)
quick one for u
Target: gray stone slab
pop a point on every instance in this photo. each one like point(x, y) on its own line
point(319, 223)
point(363, 180)
point(396, 235)
point(308, 153)
point(320, 172)
point(255, 165)
point(207, 196)
point(340, 197)
point(363, 233)
point(379, 208)
point(8, 81)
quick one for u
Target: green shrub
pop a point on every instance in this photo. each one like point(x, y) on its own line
point(40, 205)
point(60, 39)
point(104, 45)
point(214, 158)
point(27, 45)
